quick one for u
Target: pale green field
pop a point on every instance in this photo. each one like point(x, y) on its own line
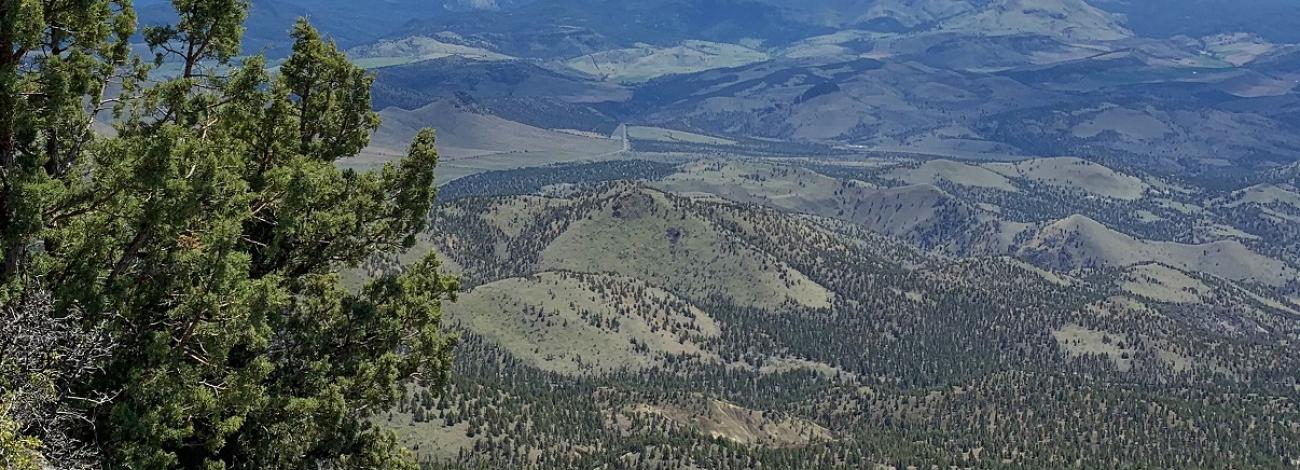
point(1076, 174)
point(1077, 341)
point(644, 62)
point(569, 323)
point(1164, 284)
point(724, 420)
point(964, 174)
point(672, 135)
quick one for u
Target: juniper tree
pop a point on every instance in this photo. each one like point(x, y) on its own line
point(206, 231)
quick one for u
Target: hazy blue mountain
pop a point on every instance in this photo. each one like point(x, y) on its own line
point(558, 28)
point(1272, 19)
point(1147, 82)
point(349, 22)
point(481, 5)
point(516, 90)
point(1275, 20)
point(566, 28)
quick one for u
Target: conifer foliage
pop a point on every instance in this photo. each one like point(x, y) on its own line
point(189, 208)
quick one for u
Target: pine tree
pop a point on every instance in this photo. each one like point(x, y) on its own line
point(208, 230)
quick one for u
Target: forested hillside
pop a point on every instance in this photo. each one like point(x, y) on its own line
point(724, 325)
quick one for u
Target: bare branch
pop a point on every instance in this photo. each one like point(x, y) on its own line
point(49, 350)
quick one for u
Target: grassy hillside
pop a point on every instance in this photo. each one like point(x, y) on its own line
point(953, 216)
point(414, 49)
point(1079, 242)
point(673, 325)
point(580, 323)
point(472, 140)
point(634, 232)
point(644, 62)
point(1166, 18)
point(1077, 175)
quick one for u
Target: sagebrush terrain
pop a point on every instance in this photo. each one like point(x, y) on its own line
point(727, 313)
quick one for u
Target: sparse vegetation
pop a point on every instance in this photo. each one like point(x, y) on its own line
point(916, 360)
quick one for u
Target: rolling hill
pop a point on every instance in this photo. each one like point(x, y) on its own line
point(644, 62)
point(1067, 19)
point(1078, 242)
point(562, 29)
point(466, 131)
point(925, 214)
point(586, 323)
point(676, 312)
point(472, 140)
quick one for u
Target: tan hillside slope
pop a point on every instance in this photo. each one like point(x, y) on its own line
point(1276, 202)
point(1165, 284)
point(963, 174)
point(1080, 242)
point(1264, 194)
point(1065, 19)
point(585, 323)
point(783, 187)
point(899, 211)
point(512, 214)
point(892, 211)
point(1291, 172)
point(720, 419)
point(660, 134)
point(930, 217)
point(1065, 173)
point(916, 13)
point(1075, 174)
point(463, 132)
point(646, 234)
point(416, 48)
point(1074, 20)
point(920, 213)
point(644, 61)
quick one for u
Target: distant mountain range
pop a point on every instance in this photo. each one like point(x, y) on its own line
point(1184, 88)
point(669, 21)
point(1106, 80)
point(1273, 20)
